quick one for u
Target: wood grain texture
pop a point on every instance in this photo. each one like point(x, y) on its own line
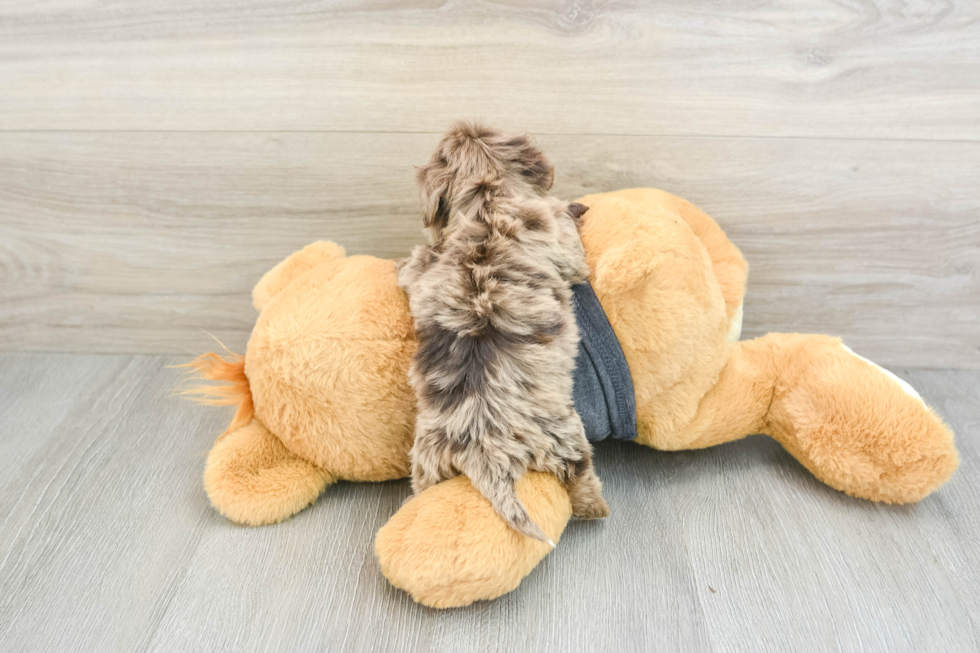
point(953, 540)
point(157, 158)
point(863, 68)
point(135, 242)
point(100, 500)
point(791, 560)
point(107, 543)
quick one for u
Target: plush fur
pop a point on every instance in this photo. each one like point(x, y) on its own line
point(233, 388)
point(493, 557)
point(327, 371)
point(491, 299)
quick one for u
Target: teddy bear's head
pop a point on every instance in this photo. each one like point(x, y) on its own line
point(327, 363)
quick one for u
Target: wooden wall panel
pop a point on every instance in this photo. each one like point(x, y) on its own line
point(135, 242)
point(862, 68)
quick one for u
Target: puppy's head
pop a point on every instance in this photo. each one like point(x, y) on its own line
point(470, 161)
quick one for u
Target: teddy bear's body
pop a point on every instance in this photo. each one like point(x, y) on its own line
point(326, 372)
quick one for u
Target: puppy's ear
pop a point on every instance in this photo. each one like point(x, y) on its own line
point(549, 180)
point(532, 164)
point(577, 210)
point(433, 181)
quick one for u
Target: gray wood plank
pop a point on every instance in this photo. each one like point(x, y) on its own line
point(950, 524)
point(308, 584)
point(108, 543)
point(37, 396)
point(100, 500)
point(313, 584)
point(124, 242)
point(791, 561)
point(868, 68)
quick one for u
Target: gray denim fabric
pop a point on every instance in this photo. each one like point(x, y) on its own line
point(603, 386)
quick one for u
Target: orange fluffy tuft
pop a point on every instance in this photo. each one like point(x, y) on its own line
point(234, 388)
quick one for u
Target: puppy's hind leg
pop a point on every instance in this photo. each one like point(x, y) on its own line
point(583, 484)
point(430, 462)
point(585, 491)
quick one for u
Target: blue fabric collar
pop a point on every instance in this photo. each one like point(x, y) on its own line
point(603, 391)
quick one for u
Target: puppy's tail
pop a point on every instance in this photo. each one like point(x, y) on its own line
point(503, 497)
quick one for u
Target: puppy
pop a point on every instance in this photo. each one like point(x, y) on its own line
point(491, 299)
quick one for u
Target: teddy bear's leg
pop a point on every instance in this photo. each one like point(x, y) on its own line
point(857, 427)
point(251, 478)
point(446, 547)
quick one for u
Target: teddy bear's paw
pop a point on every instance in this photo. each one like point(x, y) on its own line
point(251, 478)
point(448, 548)
point(861, 429)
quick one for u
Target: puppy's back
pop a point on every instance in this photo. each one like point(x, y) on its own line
point(497, 342)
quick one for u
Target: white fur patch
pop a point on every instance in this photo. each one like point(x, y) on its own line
point(735, 330)
point(909, 390)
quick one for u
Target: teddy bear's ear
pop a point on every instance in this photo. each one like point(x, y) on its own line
point(624, 267)
point(297, 263)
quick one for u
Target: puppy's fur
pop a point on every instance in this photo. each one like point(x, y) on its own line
point(491, 299)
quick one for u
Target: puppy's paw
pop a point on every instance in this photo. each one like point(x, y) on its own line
point(595, 509)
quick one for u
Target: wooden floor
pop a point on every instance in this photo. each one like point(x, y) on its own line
point(107, 543)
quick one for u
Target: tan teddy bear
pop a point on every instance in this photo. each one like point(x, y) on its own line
point(323, 395)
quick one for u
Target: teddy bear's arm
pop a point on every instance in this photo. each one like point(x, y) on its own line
point(296, 264)
point(448, 548)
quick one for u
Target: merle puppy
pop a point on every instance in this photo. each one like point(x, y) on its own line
point(491, 299)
